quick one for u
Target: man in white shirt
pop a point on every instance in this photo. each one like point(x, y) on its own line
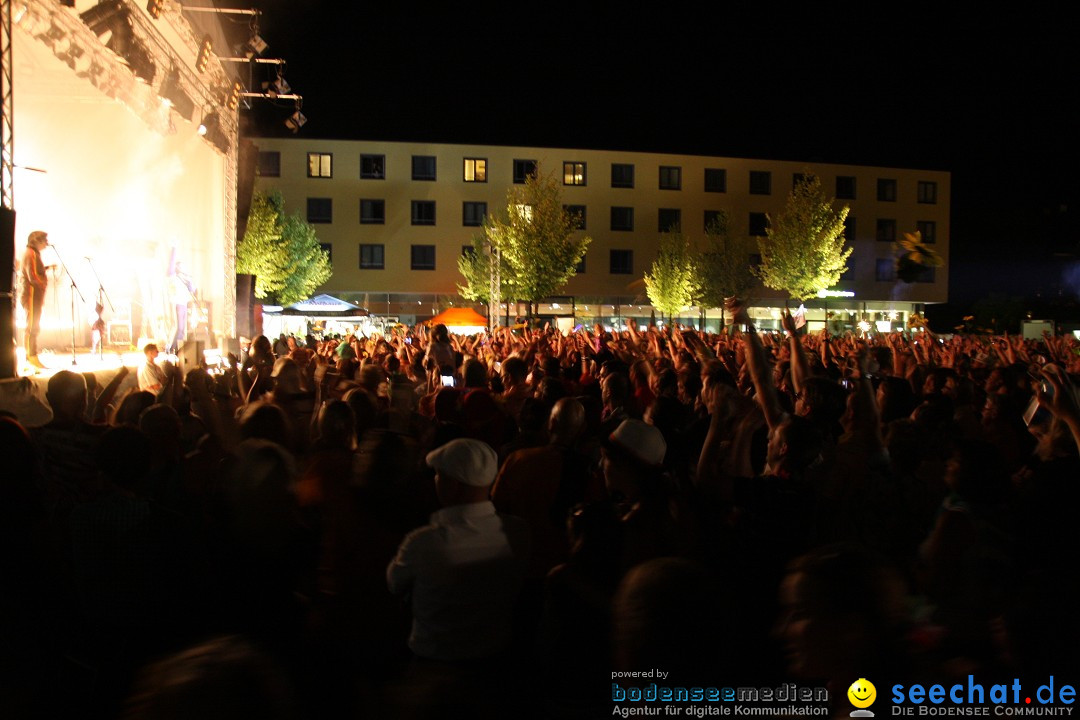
point(463, 571)
point(150, 375)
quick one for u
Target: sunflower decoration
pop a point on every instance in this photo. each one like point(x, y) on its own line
point(914, 257)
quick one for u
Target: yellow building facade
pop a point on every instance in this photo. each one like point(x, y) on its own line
point(396, 216)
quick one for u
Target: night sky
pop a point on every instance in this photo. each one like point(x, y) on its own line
point(988, 100)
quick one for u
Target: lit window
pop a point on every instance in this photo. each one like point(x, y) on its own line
point(371, 257)
point(715, 221)
point(670, 178)
point(573, 173)
point(475, 170)
point(526, 212)
point(320, 165)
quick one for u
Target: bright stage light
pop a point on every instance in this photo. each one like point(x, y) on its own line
point(295, 121)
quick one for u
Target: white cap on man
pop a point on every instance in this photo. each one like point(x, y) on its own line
point(471, 462)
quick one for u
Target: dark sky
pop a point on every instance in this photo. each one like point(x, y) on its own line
point(989, 100)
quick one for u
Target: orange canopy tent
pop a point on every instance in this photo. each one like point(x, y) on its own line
point(458, 318)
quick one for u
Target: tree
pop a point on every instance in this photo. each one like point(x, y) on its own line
point(475, 266)
point(537, 239)
point(804, 251)
point(282, 252)
point(723, 267)
point(670, 283)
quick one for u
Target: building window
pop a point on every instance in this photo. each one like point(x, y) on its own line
point(886, 190)
point(573, 173)
point(423, 257)
point(754, 260)
point(886, 230)
point(622, 218)
point(320, 165)
point(622, 175)
point(328, 248)
point(580, 269)
point(423, 212)
point(577, 214)
point(715, 220)
point(885, 270)
point(760, 182)
point(373, 167)
point(927, 192)
point(926, 275)
point(320, 210)
point(758, 224)
point(849, 274)
point(371, 257)
point(523, 170)
point(670, 177)
point(473, 213)
point(797, 179)
point(715, 180)
point(849, 229)
point(475, 170)
point(372, 212)
point(670, 220)
point(622, 262)
point(845, 187)
point(468, 251)
point(928, 228)
point(269, 163)
point(423, 167)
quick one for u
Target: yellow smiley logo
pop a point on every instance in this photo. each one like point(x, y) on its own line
point(862, 693)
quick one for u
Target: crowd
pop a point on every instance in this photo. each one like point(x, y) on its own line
point(492, 525)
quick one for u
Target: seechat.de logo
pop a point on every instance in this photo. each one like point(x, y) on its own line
point(862, 694)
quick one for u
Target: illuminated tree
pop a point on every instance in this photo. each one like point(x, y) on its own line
point(282, 252)
point(670, 283)
point(723, 267)
point(804, 251)
point(538, 240)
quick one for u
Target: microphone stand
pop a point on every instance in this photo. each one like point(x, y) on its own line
point(101, 294)
point(74, 291)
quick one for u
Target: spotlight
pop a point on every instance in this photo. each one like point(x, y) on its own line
point(255, 46)
point(154, 7)
point(204, 54)
point(232, 98)
point(278, 87)
point(295, 121)
point(210, 121)
point(175, 95)
point(102, 18)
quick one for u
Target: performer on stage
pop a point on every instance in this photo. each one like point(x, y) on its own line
point(34, 282)
point(181, 292)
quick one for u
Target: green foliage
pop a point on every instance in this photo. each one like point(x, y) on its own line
point(670, 283)
point(723, 266)
point(282, 252)
point(475, 267)
point(537, 238)
point(804, 251)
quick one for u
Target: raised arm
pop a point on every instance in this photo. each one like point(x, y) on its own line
point(759, 370)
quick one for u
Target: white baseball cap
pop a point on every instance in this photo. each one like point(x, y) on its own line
point(468, 461)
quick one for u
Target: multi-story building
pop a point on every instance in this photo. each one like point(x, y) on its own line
point(396, 216)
